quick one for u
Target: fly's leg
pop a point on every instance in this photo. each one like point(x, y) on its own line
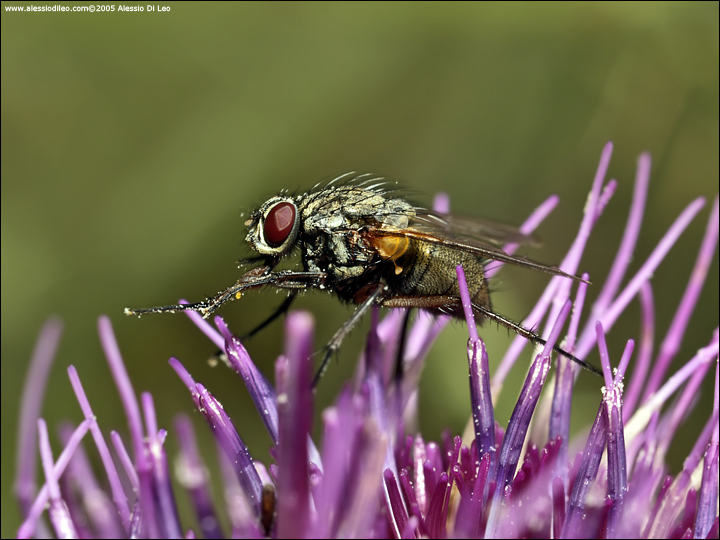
point(257, 277)
point(400, 358)
point(453, 306)
point(334, 343)
point(532, 336)
point(281, 310)
point(400, 364)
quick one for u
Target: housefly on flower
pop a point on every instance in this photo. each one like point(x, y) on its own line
point(361, 241)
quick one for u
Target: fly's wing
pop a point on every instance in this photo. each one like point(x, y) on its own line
point(482, 231)
point(479, 238)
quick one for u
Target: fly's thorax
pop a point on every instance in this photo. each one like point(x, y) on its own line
point(346, 208)
point(333, 225)
point(342, 255)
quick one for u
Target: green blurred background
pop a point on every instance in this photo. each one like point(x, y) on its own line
point(132, 143)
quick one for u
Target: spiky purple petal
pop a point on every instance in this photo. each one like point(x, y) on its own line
point(46, 345)
point(295, 406)
point(261, 391)
point(192, 475)
point(480, 398)
point(27, 528)
point(58, 511)
point(232, 444)
point(673, 339)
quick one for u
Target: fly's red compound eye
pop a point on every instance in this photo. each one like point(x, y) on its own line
point(279, 223)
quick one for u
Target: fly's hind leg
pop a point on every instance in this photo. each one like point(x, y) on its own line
point(451, 305)
point(532, 336)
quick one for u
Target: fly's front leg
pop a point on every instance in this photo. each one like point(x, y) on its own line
point(253, 279)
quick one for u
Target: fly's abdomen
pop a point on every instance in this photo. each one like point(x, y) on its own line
point(428, 270)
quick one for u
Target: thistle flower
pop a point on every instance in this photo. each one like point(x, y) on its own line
point(369, 477)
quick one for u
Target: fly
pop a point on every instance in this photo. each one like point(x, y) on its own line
point(369, 246)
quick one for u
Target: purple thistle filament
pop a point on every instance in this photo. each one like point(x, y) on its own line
point(371, 473)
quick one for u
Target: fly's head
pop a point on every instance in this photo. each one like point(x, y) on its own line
point(273, 228)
